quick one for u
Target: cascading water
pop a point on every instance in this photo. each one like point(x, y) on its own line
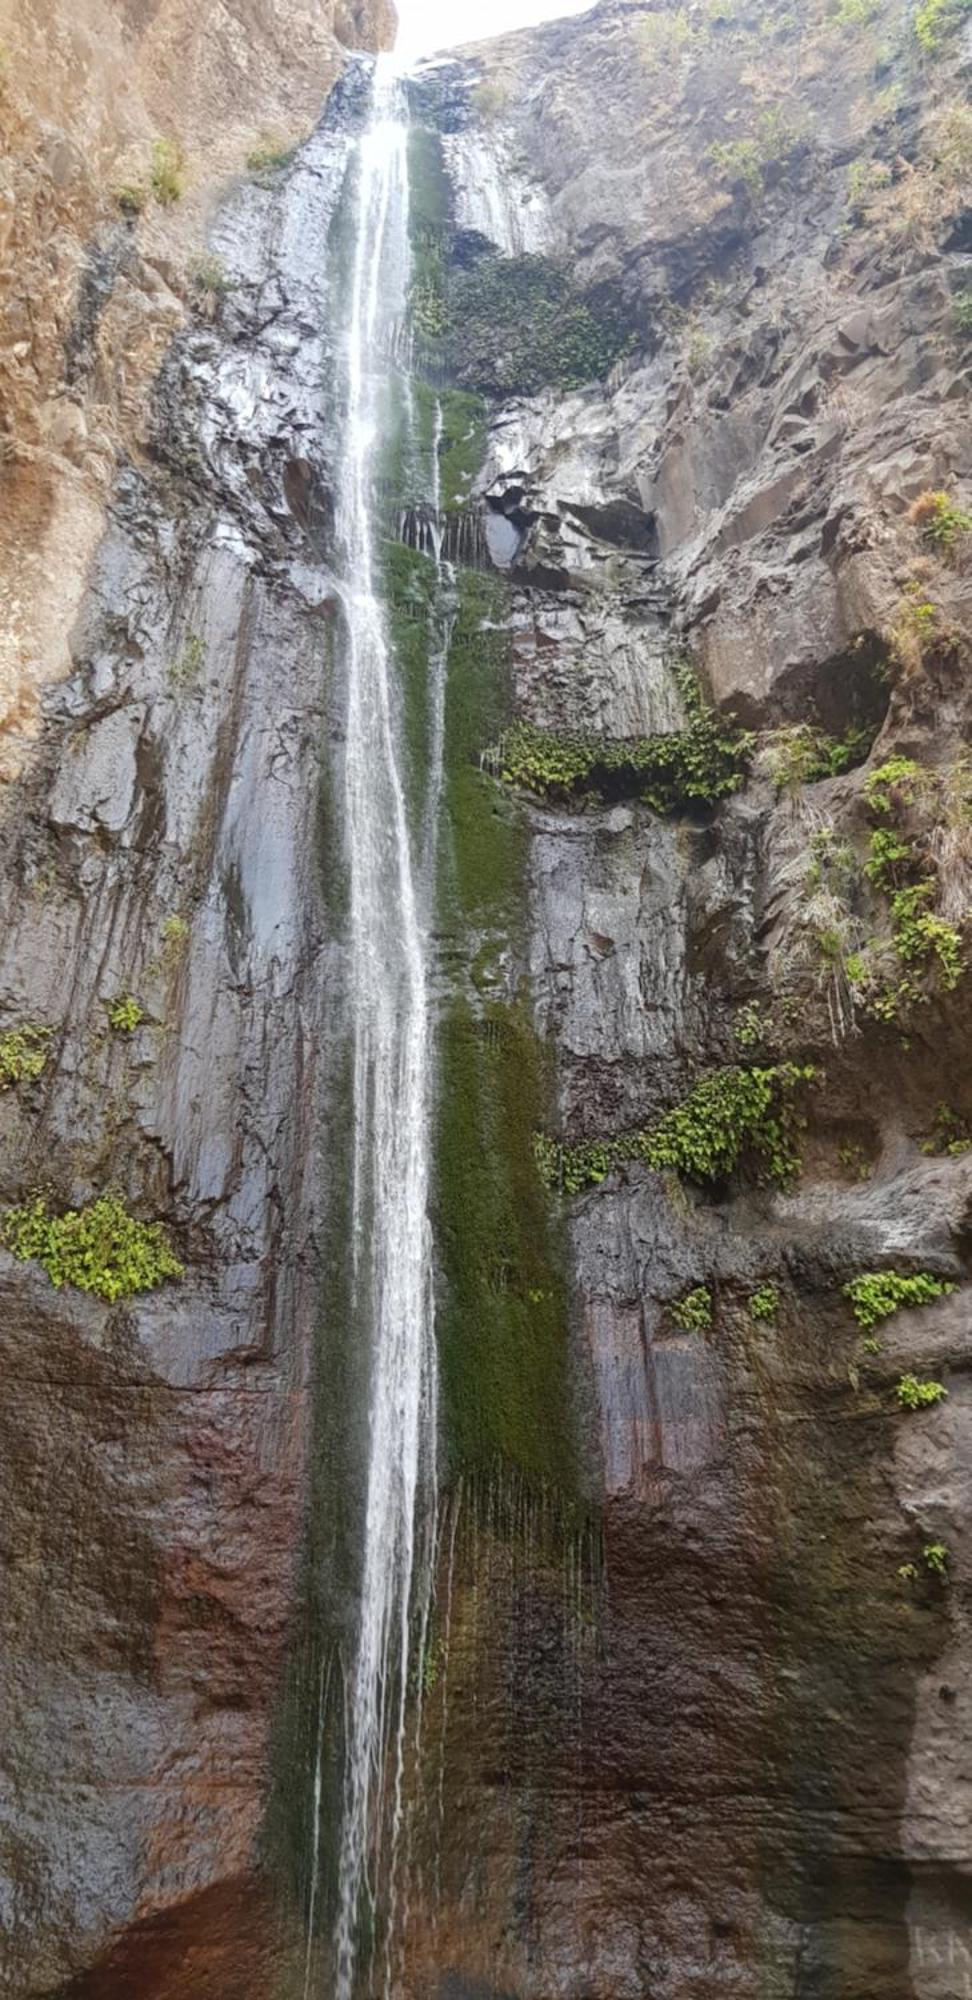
point(388, 983)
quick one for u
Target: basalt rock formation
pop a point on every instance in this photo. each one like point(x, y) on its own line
point(691, 300)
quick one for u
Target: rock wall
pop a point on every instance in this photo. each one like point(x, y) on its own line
point(689, 292)
point(91, 296)
point(756, 1781)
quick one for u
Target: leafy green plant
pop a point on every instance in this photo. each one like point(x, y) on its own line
point(853, 1163)
point(920, 935)
point(764, 1302)
point(887, 854)
point(101, 1248)
point(941, 520)
point(744, 162)
point(751, 1026)
point(167, 178)
point(915, 1395)
point(875, 1295)
point(693, 1311)
point(125, 1014)
point(730, 1115)
point(856, 13)
point(894, 785)
point(697, 765)
point(962, 311)
point(802, 755)
point(935, 1558)
point(23, 1055)
point(935, 21)
point(949, 1136)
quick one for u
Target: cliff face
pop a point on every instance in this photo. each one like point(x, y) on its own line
point(90, 296)
point(758, 1781)
point(691, 314)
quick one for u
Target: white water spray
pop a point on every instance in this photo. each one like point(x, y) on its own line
point(392, 1258)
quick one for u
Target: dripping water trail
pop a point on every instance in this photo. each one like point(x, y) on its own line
point(392, 1300)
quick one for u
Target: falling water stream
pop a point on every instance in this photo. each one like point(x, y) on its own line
point(392, 1060)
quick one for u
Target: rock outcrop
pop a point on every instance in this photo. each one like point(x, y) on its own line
point(101, 257)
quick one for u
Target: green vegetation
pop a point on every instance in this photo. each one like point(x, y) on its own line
point(101, 1248)
point(875, 1295)
point(693, 1311)
point(270, 158)
point(894, 785)
point(502, 1323)
point(695, 766)
point(936, 21)
point(125, 1014)
point(857, 13)
point(210, 280)
point(745, 162)
point(962, 311)
point(751, 1027)
point(23, 1055)
point(764, 1302)
point(802, 755)
point(733, 1116)
point(853, 1163)
point(916, 630)
point(949, 1136)
point(132, 198)
point(167, 178)
point(915, 1395)
point(935, 1558)
point(887, 854)
point(183, 672)
point(941, 521)
point(514, 325)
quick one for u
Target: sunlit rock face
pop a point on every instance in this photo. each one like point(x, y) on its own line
point(690, 1717)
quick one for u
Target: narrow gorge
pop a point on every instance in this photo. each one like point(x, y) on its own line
point(485, 1105)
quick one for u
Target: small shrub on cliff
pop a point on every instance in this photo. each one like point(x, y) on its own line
point(949, 1136)
point(894, 785)
point(732, 1115)
point(693, 1311)
point(132, 198)
point(943, 524)
point(125, 1014)
point(935, 1558)
point(167, 178)
point(962, 312)
point(875, 1295)
point(101, 1248)
point(269, 158)
point(744, 162)
point(23, 1055)
point(915, 1395)
point(936, 21)
point(764, 1302)
point(802, 755)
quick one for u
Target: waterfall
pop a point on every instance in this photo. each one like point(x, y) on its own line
point(389, 1000)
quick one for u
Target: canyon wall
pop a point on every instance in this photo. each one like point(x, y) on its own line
point(691, 298)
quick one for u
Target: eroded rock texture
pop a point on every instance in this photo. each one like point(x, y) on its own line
point(694, 1705)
